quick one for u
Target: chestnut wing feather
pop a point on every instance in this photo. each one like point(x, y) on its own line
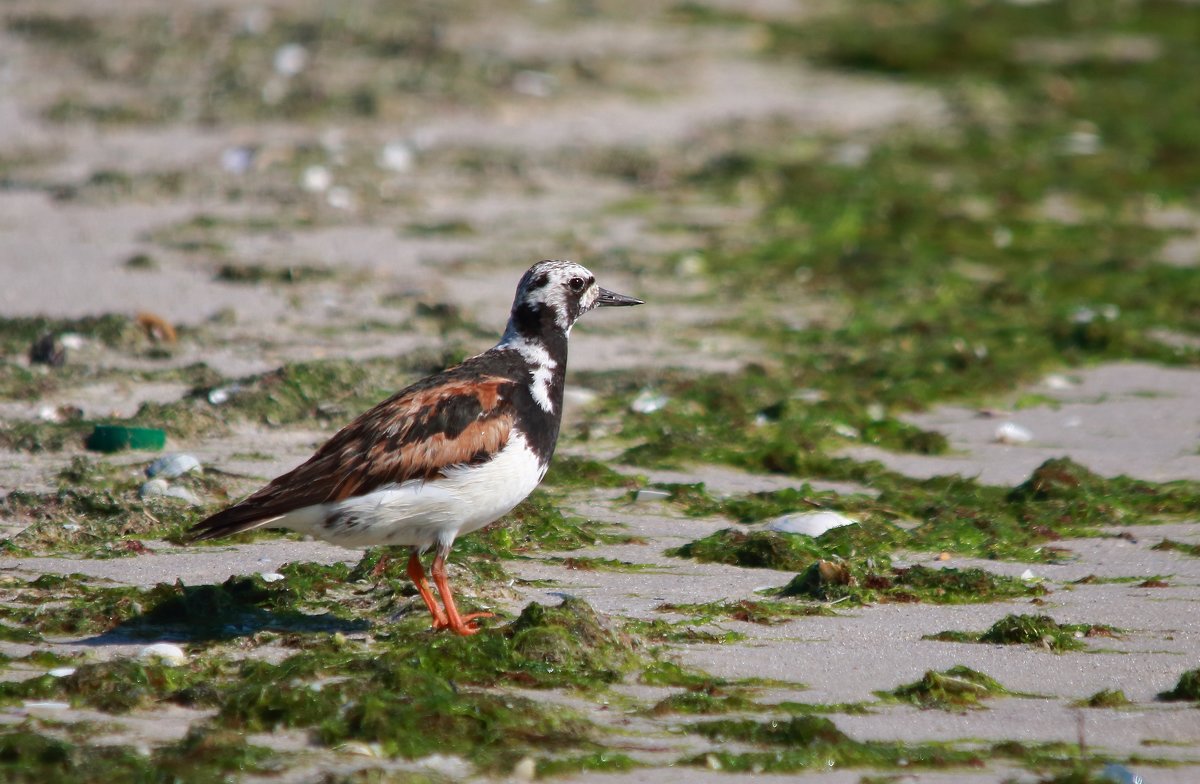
point(416, 434)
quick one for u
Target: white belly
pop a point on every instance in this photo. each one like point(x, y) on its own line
point(426, 513)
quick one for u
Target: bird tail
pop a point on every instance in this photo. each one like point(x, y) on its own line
point(230, 521)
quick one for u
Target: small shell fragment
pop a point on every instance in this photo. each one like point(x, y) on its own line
point(271, 577)
point(809, 523)
point(1012, 433)
point(173, 465)
point(648, 401)
point(61, 672)
point(164, 652)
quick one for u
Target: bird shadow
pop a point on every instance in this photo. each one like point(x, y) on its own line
point(233, 609)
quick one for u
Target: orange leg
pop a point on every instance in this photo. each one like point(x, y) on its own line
point(417, 574)
point(459, 624)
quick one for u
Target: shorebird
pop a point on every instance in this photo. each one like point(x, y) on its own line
point(445, 456)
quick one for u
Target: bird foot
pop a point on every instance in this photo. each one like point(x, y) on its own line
point(462, 624)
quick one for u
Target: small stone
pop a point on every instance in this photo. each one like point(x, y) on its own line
point(221, 395)
point(1057, 381)
point(61, 672)
point(524, 770)
point(271, 577)
point(316, 179)
point(396, 156)
point(1029, 577)
point(809, 523)
point(155, 488)
point(165, 653)
point(1012, 433)
point(340, 198)
point(183, 494)
point(171, 466)
point(237, 160)
point(648, 401)
point(651, 494)
point(290, 59)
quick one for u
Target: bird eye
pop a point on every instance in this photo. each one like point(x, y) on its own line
point(576, 284)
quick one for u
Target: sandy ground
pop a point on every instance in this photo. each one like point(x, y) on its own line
point(66, 258)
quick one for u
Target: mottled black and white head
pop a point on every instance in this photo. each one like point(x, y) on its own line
point(551, 297)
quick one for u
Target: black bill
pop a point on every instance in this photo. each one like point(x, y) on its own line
point(609, 299)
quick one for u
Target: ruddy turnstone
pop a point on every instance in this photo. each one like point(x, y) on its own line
point(445, 456)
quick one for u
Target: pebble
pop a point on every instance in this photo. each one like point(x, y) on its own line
point(648, 401)
point(524, 770)
point(171, 466)
point(396, 156)
point(809, 523)
point(1012, 433)
point(652, 494)
point(222, 394)
point(154, 488)
point(271, 577)
point(237, 160)
point(167, 653)
point(61, 672)
point(316, 179)
point(290, 59)
point(159, 488)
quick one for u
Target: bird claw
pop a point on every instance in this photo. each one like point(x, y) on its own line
point(464, 626)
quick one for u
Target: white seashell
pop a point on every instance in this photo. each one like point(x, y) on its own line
point(809, 523)
point(164, 652)
point(316, 179)
point(155, 488)
point(1012, 433)
point(61, 672)
point(290, 59)
point(648, 401)
point(651, 494)
point(524, 770)
point(171, 466)
point(271, 577)
point(396, 156)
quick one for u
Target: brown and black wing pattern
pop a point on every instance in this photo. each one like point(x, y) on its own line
point(459, 417)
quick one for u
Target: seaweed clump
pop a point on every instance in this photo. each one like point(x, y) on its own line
point(953, 689)
point(1187, 689)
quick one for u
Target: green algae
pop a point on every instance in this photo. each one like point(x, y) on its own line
point(755, 550)
point(201, 757)
point(1105, 698)
point(1061, 499)
point(597, 761)
point(1171, 545)
point(1034, 630)
point(258, 273)
point(1186, 689)
point(815, 742)
point(826, 581)
point(96, 510)
point(763, 613)
point(957, 688)
point(118, 686)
